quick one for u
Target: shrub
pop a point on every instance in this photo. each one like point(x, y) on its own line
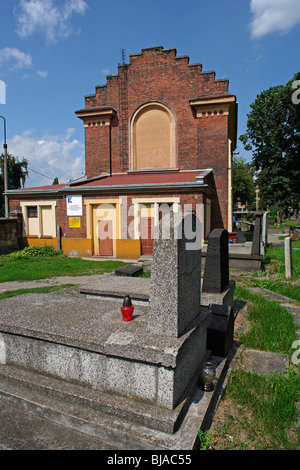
point(35, 251)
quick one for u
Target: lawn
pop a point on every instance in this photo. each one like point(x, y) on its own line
point(272, 325)
point(34, 264)
point(259, 411)
point(286, 289)
point(275, 258)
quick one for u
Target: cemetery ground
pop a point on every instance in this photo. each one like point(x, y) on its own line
point(258, 410)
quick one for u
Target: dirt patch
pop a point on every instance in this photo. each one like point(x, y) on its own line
point(234, 428)
point(241, 323)
point(228, 427)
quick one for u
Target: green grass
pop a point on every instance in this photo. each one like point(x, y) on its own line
point(283, 288)
point(275, 256)
point(272, 326)
point(261, 409)
point(37, 290)
point(42, 267)
point(146, 274)
point(268, 409)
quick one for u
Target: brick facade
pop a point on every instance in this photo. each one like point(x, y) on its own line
point(202, 135)
point(11, 233)
point(158, 75)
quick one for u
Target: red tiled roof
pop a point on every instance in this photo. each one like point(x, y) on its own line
point(144, 178)
point(124, 179)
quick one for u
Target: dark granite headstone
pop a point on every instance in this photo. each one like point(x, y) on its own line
point(257, 234)
point(220, 330)
point(129, 270)
point(216, 273)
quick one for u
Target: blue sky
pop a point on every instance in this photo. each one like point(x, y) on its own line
point(53, 52)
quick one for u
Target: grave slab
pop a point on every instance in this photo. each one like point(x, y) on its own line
point(87, 341)
point(129, 270)
point(151, 363)
point(114, 287)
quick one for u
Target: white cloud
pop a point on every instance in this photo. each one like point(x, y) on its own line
point(273, 16)
point(44, 16)
point(15, 58)
point(105, 71)
point(59, 156)
point(42, 73)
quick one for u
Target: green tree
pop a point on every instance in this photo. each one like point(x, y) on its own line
point(242, 182)
point(16, 176)
point(274, 139)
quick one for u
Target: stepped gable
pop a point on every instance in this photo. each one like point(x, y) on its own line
point(159, 63)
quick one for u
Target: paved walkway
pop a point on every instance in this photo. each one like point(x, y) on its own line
point(80, 280)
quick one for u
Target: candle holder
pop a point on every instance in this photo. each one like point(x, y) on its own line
point(208, 375)
point(127, 309)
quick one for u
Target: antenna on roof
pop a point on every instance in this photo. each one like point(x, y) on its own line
point(123, 56)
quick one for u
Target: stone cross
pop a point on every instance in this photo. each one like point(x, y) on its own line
point(175, 276)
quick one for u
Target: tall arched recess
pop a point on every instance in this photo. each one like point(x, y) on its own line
point(153, 138)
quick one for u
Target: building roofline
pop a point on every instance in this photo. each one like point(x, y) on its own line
point(67, 189)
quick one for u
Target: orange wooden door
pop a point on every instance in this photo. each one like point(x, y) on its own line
point(105, 238)
point(147, 231)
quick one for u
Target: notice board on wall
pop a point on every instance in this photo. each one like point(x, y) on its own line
point(74, 206)
point(74, 222)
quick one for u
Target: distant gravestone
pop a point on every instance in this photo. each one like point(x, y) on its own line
point(255, 250)
point(264, 235)
point(175, 276)
point(288, 259)
point(216, 273)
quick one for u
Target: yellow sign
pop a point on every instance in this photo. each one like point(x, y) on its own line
point(74, 222)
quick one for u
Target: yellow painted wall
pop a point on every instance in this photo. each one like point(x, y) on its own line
point(40, 242)
point(77, 246)
point(128, 249)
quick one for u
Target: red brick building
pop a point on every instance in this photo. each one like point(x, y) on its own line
point(160, 134)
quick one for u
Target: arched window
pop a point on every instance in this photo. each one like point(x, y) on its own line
point(153, 138)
